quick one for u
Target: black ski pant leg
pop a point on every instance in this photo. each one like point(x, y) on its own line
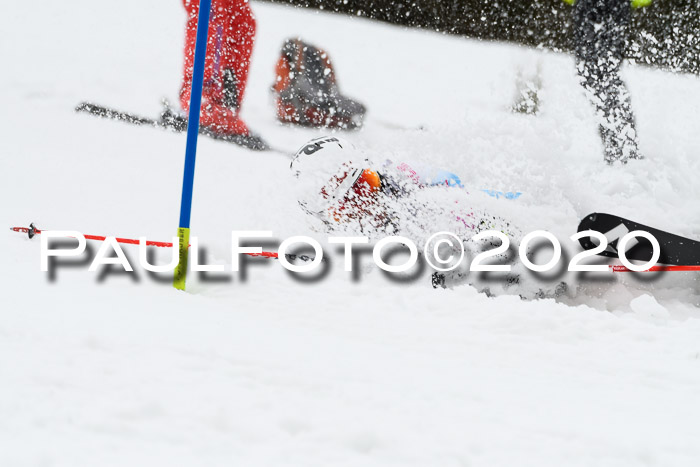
point(601, 28)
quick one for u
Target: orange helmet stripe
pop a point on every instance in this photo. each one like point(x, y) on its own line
point(371, 179)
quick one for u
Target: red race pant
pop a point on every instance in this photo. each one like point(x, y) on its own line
point(230, 45)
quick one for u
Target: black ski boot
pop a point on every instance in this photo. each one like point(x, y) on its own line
point(307, 93)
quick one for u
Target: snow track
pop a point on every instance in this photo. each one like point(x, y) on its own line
point(127, 371)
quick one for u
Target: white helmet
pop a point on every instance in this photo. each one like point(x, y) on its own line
point(319, 153)
point(326, 169)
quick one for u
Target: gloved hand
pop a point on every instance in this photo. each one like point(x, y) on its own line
point(443, 177)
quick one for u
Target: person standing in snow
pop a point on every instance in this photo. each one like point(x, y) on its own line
point(229, 48)
point(601, 29)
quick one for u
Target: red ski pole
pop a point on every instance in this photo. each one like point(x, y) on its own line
point(621, 268)
point(31, 231)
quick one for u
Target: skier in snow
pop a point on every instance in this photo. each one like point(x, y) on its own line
point(230, 45)
point(347, 192)
point(601, 31)
point(342, 187)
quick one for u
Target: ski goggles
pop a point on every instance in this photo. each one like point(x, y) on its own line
point(362, 182)
point(352, 191)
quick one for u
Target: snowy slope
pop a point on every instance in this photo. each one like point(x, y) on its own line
point(123, 370)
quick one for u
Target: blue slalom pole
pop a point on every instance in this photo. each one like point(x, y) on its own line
point(200, 53)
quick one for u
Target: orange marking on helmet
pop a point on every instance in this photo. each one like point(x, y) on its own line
point(368, 179)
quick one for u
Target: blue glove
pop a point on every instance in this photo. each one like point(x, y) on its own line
point(443, 177)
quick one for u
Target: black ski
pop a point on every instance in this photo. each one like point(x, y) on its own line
point(171, 120)
point(675, 249)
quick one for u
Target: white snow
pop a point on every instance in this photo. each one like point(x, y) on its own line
point(124, 370)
